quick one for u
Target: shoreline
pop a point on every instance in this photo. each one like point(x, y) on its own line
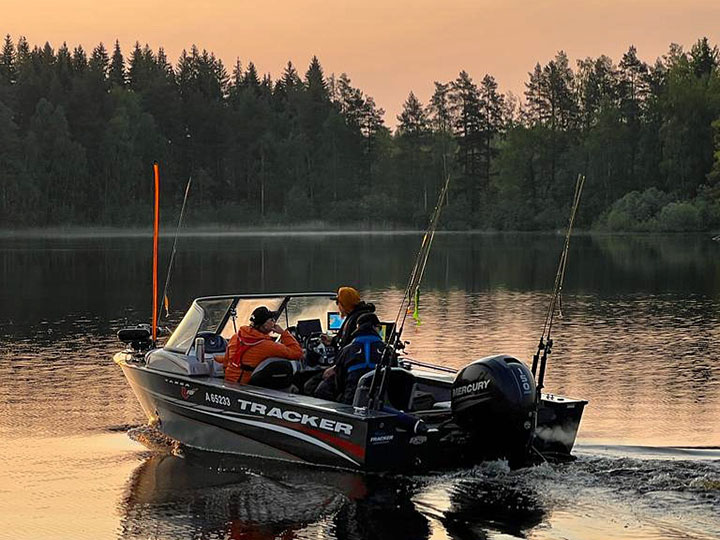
point(217, 231)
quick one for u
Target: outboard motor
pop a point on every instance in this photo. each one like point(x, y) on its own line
point(493, 399)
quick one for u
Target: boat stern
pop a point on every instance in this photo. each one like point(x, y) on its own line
point(558, 422)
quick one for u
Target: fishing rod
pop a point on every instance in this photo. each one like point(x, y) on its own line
point(377, 389)
point(546, 342)
point(174, 250)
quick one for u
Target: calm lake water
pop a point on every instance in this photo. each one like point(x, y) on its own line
point(639, 339)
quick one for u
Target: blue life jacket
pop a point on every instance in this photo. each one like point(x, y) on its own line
point(366, 341)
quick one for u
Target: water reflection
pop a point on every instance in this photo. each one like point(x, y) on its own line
point(97, 275)
point(205, 495)
point(211, 496)
point(484, 506)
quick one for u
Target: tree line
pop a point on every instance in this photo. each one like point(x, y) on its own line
point(79, 131)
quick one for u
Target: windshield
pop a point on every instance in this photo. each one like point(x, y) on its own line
point(298, 308)
point(203, 316)
point(206, 315)
point(305, 308)
point(244, 309)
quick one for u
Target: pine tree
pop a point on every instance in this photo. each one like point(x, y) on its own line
point(439, 108)
point(493, 104)
point(351, 102)
point(537, 108)
point(703, 58)
point(251, 78)
point(290, 79)
point(8, 75)
point(79, 60)
point(557, 87)
point(47, 55)
point(237, 74)
point(164, 68)
point(465, 107)
point(597, 85)
point(411, 135)
point(413, 120)
point(315, 81)
point(99, 62)
point(117, 67)
point(633, 87)
point(138, 72)
point(23, 50)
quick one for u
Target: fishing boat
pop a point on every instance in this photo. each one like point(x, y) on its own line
point(430, 415)
point(405, 414)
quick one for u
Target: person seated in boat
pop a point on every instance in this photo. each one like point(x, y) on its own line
point(356, 359)
point(253, 343)
point(351, 307)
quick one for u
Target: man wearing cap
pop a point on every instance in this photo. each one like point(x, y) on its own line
point(351, 307)
point(252, 344)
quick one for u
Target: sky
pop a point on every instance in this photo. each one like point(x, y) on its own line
point(387, 47)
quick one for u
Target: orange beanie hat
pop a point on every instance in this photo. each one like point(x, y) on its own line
point(348, 297)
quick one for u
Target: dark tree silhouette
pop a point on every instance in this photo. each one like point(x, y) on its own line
point(79, 131)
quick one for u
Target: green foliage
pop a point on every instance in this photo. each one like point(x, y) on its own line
point(636, 211)
point(679, 216)
point(79, 132)
point(655, 211)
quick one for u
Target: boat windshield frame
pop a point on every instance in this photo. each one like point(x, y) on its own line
point(183, 337)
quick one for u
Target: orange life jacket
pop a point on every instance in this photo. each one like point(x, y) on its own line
point(249, 347)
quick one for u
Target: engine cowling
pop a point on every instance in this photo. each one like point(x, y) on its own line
point(494, 400)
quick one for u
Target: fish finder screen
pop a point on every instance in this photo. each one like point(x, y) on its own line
point(335, 320)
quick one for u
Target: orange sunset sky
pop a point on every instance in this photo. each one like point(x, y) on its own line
point(387, 47)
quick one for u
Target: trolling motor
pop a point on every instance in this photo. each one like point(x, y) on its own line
point(139, 338)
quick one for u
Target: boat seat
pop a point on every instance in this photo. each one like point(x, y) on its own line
point(274, 373)
point(400, 389)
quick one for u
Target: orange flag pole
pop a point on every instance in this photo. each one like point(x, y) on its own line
point(156, 232)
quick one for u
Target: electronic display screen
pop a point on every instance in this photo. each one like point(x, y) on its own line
point(334, 320)
point(309, 327)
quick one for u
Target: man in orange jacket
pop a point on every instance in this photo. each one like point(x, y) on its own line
point(252, 344)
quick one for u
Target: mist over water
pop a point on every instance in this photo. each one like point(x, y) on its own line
point(638, 339)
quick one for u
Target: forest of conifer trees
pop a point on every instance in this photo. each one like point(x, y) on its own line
point(79, 131)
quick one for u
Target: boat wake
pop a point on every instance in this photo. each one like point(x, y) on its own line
point(596, 496)
point(153, 439)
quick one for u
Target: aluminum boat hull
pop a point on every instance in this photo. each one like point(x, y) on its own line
point(211, 414)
